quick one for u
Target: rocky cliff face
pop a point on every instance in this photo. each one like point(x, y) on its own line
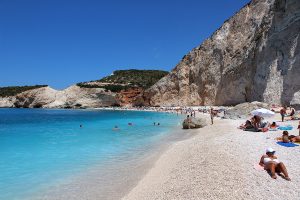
point(129, 97)
point(254, 56)
point(72, 97)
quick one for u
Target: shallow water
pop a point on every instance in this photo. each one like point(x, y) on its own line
point(41, 148)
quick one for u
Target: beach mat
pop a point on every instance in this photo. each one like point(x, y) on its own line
point(290, 144)
point(285, 128)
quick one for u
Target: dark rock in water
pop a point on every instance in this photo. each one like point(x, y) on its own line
point(194, 123)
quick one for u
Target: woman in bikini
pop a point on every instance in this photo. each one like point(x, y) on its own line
point(273, 165)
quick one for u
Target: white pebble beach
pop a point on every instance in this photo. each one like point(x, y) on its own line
point(218, 163)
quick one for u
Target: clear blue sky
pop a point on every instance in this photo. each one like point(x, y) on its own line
point(62, 42)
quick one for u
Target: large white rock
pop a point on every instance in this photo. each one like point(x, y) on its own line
point(296, 100)
point(7, 102)
point(71, 97)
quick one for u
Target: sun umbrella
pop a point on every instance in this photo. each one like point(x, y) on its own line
point(262, 112)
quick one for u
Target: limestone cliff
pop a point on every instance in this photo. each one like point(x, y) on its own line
point(254, 56)
point(72, 97)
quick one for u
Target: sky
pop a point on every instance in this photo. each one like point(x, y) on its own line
point(63, 42)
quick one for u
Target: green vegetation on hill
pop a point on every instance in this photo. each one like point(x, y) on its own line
point(123, 79)
point(14, 90)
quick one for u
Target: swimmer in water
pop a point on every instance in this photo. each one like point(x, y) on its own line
point(116, 128)
point(80, 126)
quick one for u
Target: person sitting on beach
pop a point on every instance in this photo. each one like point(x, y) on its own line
point(258, 125)
point(256, 121)
point(273, 165)
point(285, 137)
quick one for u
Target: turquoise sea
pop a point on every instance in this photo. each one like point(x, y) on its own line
point(40, 148)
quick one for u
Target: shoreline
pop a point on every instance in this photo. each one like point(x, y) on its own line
point(90, 183)
point(217, 163)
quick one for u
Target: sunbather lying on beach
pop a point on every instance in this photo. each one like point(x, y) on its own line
point(273, 165)
point(273, 125)
point(247, 125)
point(286, 138)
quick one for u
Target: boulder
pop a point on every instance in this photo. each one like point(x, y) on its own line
point(242, 111)
point(296, 101)
point(7, 102)
point(194, 123)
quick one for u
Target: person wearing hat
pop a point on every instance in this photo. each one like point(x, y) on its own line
point(272, 164)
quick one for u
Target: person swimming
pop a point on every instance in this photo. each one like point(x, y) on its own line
point(116, 128)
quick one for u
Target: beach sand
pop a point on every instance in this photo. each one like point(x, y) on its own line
point(218, 163)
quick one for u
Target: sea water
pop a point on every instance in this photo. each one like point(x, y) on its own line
point(40, 148)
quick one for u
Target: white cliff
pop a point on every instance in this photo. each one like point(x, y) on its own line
point(254, 56)
point(71, 97)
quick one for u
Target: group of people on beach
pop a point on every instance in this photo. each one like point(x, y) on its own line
point(269, 161)
point(283, 113)
point(256, 124)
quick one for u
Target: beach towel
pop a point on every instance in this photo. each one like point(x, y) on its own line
point(285, 128)
point(273, 129)
point(290, 144)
